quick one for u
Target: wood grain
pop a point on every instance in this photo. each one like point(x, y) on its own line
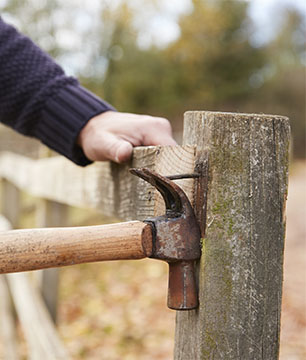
point(49, 214)
point(40, 333)
point(10, 202)
point(10, 210)
point(8, 333)
point(41, 336)
point(32, 249)
point(107, 187)
point(245, 159)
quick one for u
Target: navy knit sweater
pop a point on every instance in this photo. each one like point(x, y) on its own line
point(37, 99)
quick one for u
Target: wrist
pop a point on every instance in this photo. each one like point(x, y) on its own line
point(90, 128)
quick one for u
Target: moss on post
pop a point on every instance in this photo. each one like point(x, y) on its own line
point(244, 158)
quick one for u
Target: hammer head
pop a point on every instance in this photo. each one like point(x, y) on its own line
point(176, 239)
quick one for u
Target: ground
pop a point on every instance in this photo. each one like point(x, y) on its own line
point(293, 322)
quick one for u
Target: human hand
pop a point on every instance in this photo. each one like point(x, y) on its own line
point(112, 135)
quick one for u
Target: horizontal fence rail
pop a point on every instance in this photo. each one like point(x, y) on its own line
point(38, 327)
point(107, 187)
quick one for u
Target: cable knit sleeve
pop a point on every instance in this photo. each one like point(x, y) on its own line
point(37, 98)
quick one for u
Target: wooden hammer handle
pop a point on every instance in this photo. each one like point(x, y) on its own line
point(32, 249)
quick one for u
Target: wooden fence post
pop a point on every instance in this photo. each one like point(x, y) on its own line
point(39, 331)
point(240, 205)
point(50, 214)
point(10, 209)
point(8, 335)
point(10, 202)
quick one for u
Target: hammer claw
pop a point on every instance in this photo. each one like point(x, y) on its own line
point(176, 240)
point(175, 199)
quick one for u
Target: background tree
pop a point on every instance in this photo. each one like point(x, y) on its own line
point(281, 87)
point(213, 64)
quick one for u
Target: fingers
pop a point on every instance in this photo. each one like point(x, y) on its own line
point(158, 132)
point(112, 135)
point(107, 146)
point(123, 152)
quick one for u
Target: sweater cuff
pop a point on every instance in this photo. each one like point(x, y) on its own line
point(63, 117)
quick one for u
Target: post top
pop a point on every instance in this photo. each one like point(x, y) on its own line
point(227, 114)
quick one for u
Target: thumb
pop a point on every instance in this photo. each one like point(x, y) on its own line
point(123, 151)
point(107, 146)
point(114, 148)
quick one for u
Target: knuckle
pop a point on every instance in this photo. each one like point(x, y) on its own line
point(161, 123)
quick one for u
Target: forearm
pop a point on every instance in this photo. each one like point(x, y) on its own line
point(38, 99)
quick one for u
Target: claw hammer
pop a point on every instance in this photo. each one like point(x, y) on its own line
point(173, 237)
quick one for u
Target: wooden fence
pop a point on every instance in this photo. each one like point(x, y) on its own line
point(239, 201)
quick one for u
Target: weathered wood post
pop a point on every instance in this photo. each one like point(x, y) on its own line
point(10, 209)
point(10, 202)
point(240, 205)
point(8, 333)
point(50, 214)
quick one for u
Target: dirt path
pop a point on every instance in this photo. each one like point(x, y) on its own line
point(293, 332)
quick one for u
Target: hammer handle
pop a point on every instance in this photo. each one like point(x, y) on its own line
point(33, 249)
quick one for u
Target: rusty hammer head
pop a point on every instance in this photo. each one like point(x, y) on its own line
point(176, 239)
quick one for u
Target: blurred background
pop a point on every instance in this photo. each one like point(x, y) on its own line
point(165, 57)
point(162, 58)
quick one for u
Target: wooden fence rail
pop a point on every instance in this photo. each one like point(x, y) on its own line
point(7, 321)
point(239, 201)
point(34, 305)
point(107, 187)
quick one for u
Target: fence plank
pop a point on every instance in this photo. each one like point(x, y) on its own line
point(7, 323)
point(10, 202)
point(240, 274)
point(8, 334)
point(38, 327)
point(10, 208)
point(50, 214)
point(107, 187)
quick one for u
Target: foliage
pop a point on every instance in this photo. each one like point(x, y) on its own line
point(196, 71)
point(283, 88)
point(212, 65)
